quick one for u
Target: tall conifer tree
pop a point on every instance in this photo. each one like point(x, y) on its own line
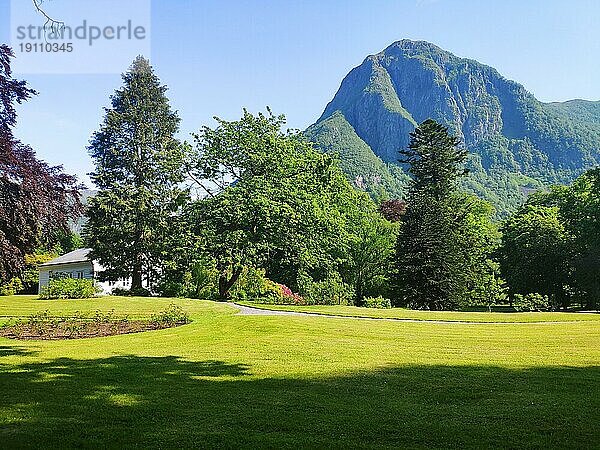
point(430, 273)
point(138, 172)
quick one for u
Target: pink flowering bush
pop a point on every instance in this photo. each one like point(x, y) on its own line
point(288, 297)
point(253, 285)
point(280, 294)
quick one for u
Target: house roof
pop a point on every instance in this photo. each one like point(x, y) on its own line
point(76, 256)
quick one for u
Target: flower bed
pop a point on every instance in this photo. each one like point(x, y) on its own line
point(43, 326)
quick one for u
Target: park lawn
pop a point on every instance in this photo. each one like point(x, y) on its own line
point(134, 307)
point(446, 316)
point(228, 380)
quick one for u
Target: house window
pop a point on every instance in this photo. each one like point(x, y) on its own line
point(80, 274)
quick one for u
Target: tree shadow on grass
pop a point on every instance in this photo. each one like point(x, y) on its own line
point(132, 401)
point(15, 351)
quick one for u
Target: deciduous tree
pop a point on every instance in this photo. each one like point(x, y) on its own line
point(37, 201)
point(535, 253)
point(274, 202)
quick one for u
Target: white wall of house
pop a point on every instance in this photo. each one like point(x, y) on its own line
point(121, 283)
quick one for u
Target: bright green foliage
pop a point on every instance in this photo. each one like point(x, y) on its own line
point(69, 288)
point(370, 262)
point(196, 279)
point(173, 315)
point(377, 302)
point(67, 242)
point(138, 170)
point(331, 290)
point(578, 213)
point(253, 284)
point(445, 236)
point(274, 202)
point(532, 302)
point(478, 239)
point(535, 252)
point(11, 287)
point(28, 281)
point(580, 210)
point(31, 274)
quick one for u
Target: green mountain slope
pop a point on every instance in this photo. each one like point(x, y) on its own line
point(366, 171)
point(517, 142)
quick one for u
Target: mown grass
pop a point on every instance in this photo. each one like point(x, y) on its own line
point(135, 307)
point(446, 316)
point(227, 380)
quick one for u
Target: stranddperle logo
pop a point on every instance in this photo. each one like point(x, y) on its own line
point(72, 36)
point(84, 32)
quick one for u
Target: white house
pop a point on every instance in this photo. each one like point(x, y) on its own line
point(76, 264)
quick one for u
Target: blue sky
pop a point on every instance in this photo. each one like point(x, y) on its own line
point(220, 56)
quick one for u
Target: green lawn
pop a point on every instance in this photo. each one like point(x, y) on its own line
point(446, 316)
point(228, 380)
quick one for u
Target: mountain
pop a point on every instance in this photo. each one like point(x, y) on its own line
point(517, 143)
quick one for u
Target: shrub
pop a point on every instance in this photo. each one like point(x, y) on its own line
point(69, 288)
point(31, 274)
point(12, 287)
point(254, 285)
point(200, 280)
point(173, 315)
point(532, 302)
point(251, 285)
point(290, 297)
point(280, 294)
point(330, 291)
point(377, 302)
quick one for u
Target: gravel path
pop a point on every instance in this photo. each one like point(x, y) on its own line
point(249, 311)
point(244, 310)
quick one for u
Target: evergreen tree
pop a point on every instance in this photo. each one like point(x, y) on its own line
point(138, 172)
point(428, 252)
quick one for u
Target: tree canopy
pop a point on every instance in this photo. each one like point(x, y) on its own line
point(551, 245)
point(276, 203)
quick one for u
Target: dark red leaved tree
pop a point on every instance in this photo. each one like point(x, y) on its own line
point(37, 201)
point(393, 210)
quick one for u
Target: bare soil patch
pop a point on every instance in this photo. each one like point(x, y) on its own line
point(80, 330)
point(44, 326)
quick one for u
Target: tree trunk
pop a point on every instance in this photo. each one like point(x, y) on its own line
point(136, 278)
point(225, 283)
